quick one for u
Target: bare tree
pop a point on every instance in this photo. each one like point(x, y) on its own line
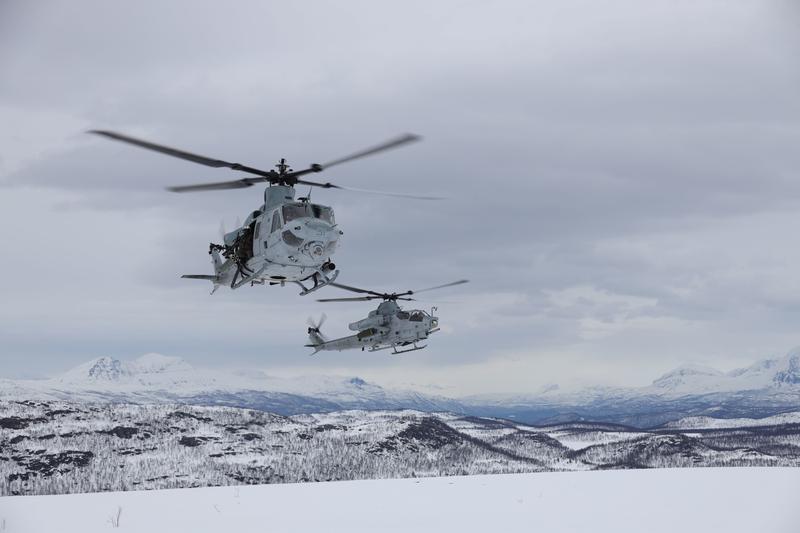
point(114, 518)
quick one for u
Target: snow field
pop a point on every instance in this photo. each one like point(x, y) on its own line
point(727, 500)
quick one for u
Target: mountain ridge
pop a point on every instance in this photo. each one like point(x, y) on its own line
point(764, 388)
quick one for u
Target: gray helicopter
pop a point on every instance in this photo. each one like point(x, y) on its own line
point(387, 327)
point(283, 240)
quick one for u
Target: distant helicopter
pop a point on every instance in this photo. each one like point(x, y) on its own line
point(282, 240)
point(387, 327)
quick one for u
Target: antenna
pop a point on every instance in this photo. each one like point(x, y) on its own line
point(306, 199)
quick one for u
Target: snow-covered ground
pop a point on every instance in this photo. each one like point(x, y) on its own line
point(727, 500)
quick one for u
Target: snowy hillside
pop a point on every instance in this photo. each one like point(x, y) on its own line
point(56, 447)
point(706, 422)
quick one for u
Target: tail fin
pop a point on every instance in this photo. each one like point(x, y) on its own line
point(216, 260)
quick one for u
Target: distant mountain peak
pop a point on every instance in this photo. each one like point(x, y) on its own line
point(101, 369)
point(759, 367)
point(683, 374)
point(110, 370)
point(694, 379)
point(788, 369)
point(106, 369)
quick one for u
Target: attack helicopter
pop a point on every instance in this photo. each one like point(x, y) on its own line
point(387, 327)
point(284, 239)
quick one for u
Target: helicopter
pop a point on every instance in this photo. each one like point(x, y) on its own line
point(283, 240)
point(387, 327)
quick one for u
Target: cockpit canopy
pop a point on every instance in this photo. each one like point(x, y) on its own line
point(413, 316)
point(416, 316)
point(293, 211)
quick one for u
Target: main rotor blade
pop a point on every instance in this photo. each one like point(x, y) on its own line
point(388, 145)
point(354, 299)
point(367, 191)
point(356, 289)
point(188, 156)
point(220, 185)
point(459, 282)
point(395, 194)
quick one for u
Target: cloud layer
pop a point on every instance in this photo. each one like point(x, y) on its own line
point(622, 180)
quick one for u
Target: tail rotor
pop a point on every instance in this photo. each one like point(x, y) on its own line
point(314, 327)
point(315, 338)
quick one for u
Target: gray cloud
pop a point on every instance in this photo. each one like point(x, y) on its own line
point(622, 179)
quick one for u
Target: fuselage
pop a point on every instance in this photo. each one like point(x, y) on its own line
point(385, 327)
point(284, 240)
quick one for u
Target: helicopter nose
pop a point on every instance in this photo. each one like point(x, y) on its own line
point(320, 237)
point(317, 226)
point(333, 241)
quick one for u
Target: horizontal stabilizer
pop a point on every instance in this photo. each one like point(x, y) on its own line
point(317, 348)
point(200, 276)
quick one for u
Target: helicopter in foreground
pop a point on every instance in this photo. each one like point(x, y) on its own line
point(284, 239)
point(387, 327)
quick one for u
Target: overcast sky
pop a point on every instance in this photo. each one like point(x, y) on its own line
point(622, 181)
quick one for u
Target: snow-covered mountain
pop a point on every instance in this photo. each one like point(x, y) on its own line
point(147, 369)
point(693, 379)
point(155, 378)
point(765, 388)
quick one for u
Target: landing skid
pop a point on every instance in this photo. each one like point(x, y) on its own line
point(254, 276)
point(396, 351)
point(320, 280)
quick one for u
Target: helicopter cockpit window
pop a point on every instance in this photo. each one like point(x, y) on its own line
point(416, 316)
point(276, 222)
point(402, 315)
point(291, 212)
point(322, 213)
